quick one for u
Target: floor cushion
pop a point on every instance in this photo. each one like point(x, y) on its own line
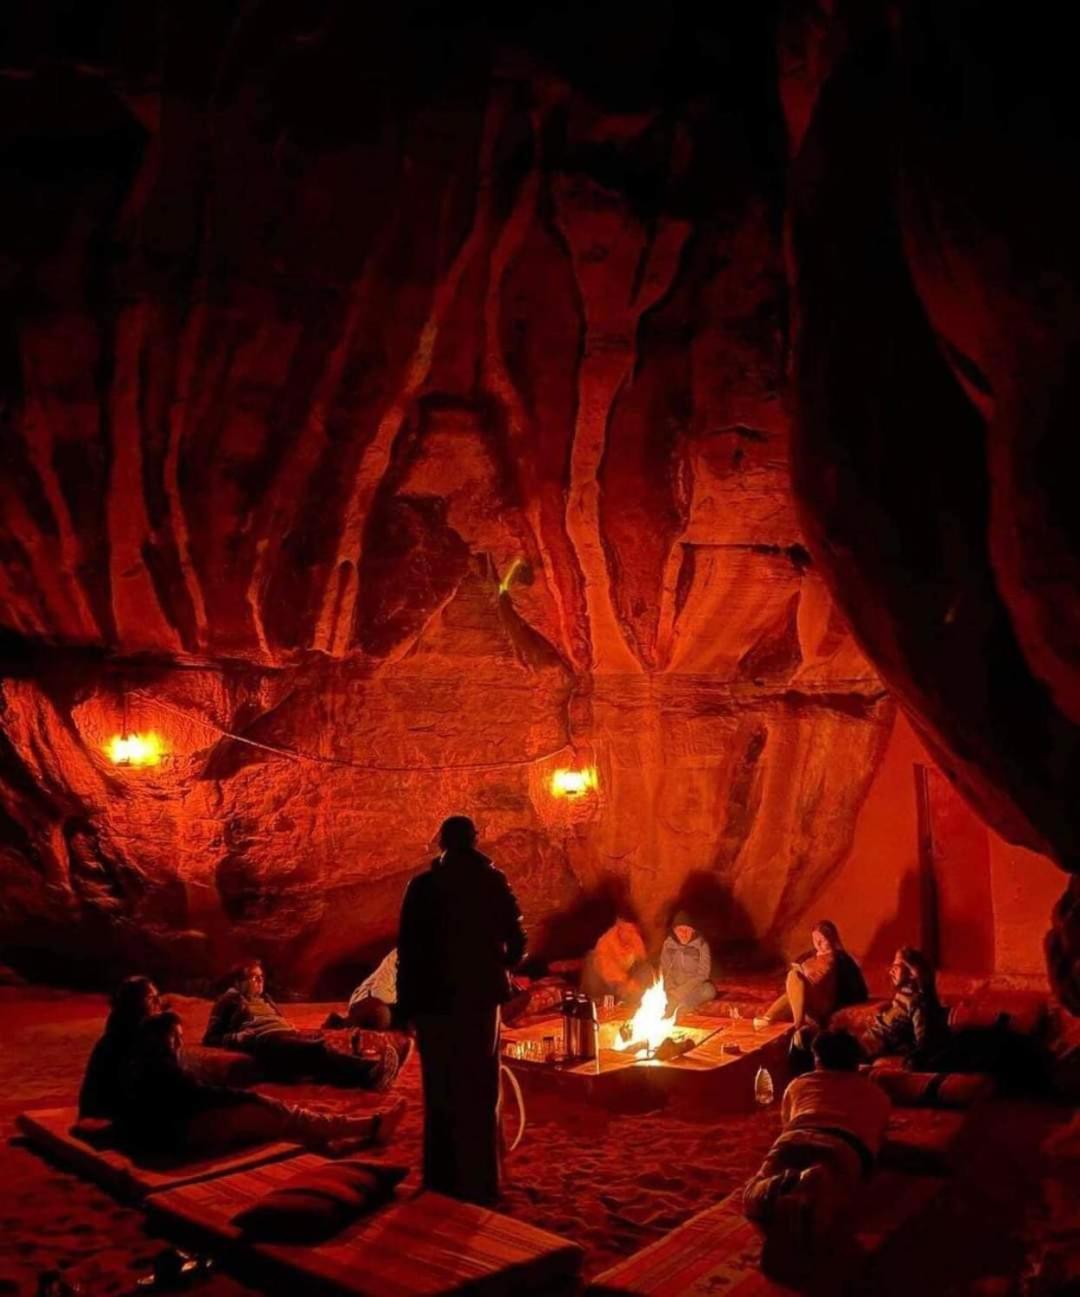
point(56, 1132)
point(316, 1203)
point(922, 1141)
point(933, 1089)
point(1024, 1013)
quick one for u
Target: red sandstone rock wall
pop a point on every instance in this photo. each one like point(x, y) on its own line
point(416, 422)
point(934, 204)
point(411, 399)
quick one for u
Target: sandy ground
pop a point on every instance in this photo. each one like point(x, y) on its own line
point(612, 1182)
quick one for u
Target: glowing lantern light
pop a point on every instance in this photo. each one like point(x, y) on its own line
point(134, 749)
point(572, 783)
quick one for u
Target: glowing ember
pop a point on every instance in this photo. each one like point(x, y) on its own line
point(572, 783)
point(650, 1025)
point(134, 749)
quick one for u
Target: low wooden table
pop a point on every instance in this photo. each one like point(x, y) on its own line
point(719, 1072)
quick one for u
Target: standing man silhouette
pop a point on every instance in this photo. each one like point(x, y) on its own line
point(460, 935)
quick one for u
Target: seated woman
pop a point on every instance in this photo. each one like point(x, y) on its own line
point(247, 1019)
point(617, 965)
point(818, 983)
point(134, 1001)
point(913, 1024)
point(167, 1110)
point(685, 964)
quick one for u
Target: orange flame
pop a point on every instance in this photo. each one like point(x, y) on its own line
point(134, 749)
point(651, 1024)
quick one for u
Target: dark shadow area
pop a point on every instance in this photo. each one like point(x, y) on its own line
point(569, 934)
point(903, 927)
point(338, 980)
point(725, 925)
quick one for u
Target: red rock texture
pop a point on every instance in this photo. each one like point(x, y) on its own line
point(934, 202)
point(412, 397)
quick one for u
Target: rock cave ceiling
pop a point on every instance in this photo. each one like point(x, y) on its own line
point(441, 400)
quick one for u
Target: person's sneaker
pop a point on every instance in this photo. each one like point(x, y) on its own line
point(389, 1065)
point(760, 1024)
point(175, 1269)
point(334, 1022)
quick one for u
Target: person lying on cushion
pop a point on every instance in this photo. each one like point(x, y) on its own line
point(245, 1018)
point(372, 1004)
point(168, 1110)
point(134, 1001)
point(685, 964)
point(913, 1024)
point(818, 983)
point(834, 1121)
point(617, 965)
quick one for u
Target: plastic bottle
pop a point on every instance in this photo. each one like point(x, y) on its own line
point(763, 1087)
point(587, 1027)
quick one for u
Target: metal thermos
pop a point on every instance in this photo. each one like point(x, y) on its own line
point(588, 1028)
point(569, 1025)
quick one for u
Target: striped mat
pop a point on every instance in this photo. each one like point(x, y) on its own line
point(414, 1247)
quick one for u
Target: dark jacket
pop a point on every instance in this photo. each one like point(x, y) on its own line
point(230, 1017)
point(100, 1094)
point(460, 934)
point(850, 983)
point(161, 1097)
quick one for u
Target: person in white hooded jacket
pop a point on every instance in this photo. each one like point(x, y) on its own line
point(685, 964)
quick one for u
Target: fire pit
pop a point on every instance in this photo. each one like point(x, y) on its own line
point(710, 1059)
point(652, 1035)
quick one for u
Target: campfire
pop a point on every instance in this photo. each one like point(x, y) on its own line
point(649, 1033)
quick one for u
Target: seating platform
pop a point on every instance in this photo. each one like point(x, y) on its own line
point(719, 1250)
point(415, 1246)
point(719, 1071)
point(85, 1149)
point(923, 1141)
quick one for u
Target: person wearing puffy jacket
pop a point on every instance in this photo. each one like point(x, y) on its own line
point(685, 964)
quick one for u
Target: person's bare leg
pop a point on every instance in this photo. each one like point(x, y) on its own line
point(796, 995)
point(779, 1009)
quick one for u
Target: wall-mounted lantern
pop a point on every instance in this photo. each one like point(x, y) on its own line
point(135, 749)
point(573, 783)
